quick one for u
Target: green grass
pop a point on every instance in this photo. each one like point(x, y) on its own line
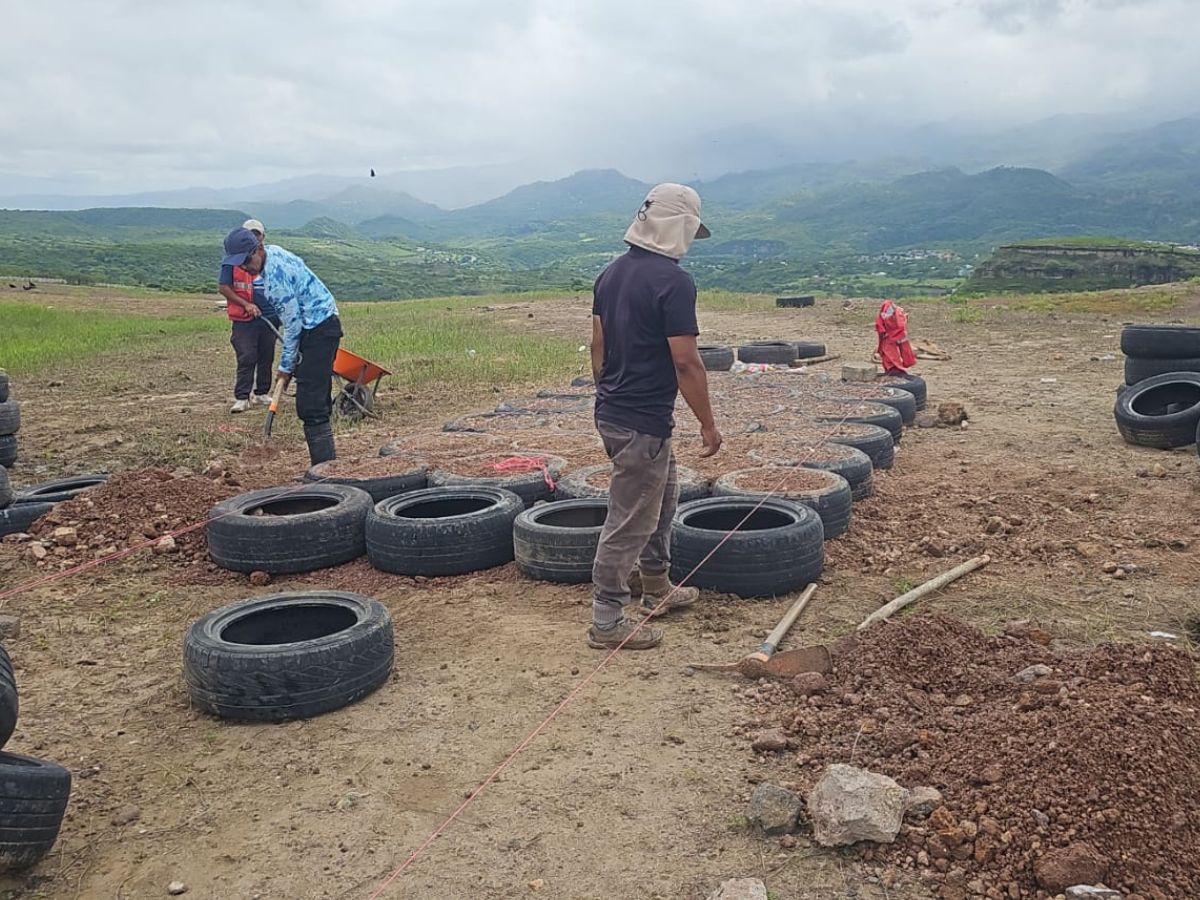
point(734, 302)
point(35, 338)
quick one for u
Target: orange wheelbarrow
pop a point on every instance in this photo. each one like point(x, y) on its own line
point(356, 381)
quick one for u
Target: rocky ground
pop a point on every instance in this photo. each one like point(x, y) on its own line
point(640, 788)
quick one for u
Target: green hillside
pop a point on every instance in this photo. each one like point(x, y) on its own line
point(1082, 264)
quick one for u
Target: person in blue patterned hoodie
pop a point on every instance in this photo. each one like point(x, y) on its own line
point(311, 331)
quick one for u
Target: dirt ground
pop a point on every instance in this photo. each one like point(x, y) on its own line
point(638, 788)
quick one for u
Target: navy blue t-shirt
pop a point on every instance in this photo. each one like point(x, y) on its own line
point(642, 299)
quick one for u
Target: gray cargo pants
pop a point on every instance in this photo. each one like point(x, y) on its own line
point(641, 505)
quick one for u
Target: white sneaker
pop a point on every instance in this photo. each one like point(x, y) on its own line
point(261, 399)
point(239, 406)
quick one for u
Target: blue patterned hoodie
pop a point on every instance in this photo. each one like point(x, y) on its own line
point(298, 296)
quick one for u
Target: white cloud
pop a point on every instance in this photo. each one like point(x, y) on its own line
point(137, 94)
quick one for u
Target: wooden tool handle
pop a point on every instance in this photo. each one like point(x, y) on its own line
point(785, 624)
point(276, 396)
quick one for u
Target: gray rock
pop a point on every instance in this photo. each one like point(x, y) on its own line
point(849, 805)
point(921, 801)
point(10, 627)
point(740, 889)
point(1093, 892)
point(773, 809)
point(175, 888)
point(1026, 675)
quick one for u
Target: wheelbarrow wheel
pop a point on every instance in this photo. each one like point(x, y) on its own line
point(354, 403)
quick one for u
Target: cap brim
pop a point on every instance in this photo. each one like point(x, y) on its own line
point(234, 259)
point(702, 232)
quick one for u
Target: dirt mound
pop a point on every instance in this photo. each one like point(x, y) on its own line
point(1094, 748)
point(131, 508)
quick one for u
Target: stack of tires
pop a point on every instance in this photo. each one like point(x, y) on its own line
point(10, 424)
point(33, 792)
point(1159, 404)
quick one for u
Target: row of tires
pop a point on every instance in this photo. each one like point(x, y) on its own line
point(10, 424)
point(782, 353)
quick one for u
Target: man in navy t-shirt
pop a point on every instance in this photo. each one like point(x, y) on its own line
point(644, 353)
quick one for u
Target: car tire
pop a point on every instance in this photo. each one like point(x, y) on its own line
point(9, 701)
point(10, 417)
point(808, 349)
point(914, 384)
point(531, 486)
point(288, 656)
point(6, 491)
point(20, 517)
point(866, 412)
point(841, 459)
point(777, 353)
point(778, 550)
point(61, 490)
point(557, 541)
point(900, 400)
point(1139, 369)
point(1162, 412)
point(443, 530)
point(407, 478)
point(286, 530)
point(717, 359)
point(1160, 341)
point(576, 485)
point(831, 499)
point(8, 450)
point(872, 440)
point(33, 799)
point(3, 387)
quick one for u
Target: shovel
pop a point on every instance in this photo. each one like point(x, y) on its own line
point(766, 662)
point(276, 396)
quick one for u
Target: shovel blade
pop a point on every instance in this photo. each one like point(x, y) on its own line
point(786, 663)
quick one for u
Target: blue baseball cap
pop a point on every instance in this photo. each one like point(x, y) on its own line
point(239, 244)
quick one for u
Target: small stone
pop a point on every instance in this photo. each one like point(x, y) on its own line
point(994, 524)
point(1077, 863)
point(175, 888)
point(773, 809)
point(788, 842)
point(1030, 673)
point(1092, 892)
point(926, 419)
point(10, 627)
point(1109, 567)
point(771, 741)
point(921, 801)
point(990, 774)
point(537, 884)
point(38, 550)
point(740, 889)
point(850, 804)
point(1158, 471)
point(260, 579)
point(951, 413)
point(166, 545)
point(65, 536)
point(126, 816)
point(806, 684)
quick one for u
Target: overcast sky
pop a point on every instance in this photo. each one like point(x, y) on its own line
point(136, 95)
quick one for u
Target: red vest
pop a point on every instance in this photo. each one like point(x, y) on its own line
point(243, 286)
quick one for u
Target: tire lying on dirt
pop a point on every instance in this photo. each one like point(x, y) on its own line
point(1163, 411)
point(900, 400)
point(443, 530)
point(288, 656)
point(409, 475)
point(8, 450)
point(6, 491)
point(808, 349)
point(9, 702)
point(914, 384)
point(33, 798)
point(841, 459)
point(285, 530)
point(778, 353)
point(592, 481)
point(1160, 341)
point(531, 486)
point(872, 440)
point(61, 490)
point(20, 516)
point(557, 541)
point(10, 417)
point(777, 549)
point(863, 412)
point(716, 359)
point(825, 493)
point(1139, 369)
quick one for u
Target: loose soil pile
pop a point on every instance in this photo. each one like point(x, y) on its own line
point(500, 464)
point(1099, 750)
point(373, 466)
point(783, 480)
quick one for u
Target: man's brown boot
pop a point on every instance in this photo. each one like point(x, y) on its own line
point(657, 587)
point(611, 638)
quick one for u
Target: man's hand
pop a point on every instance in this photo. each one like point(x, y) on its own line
point(712, 440)
point(284, 377)
point(253, 310)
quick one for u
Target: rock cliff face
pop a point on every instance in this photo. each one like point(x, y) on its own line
point(1049, 267)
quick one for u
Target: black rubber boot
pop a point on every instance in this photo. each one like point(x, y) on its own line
point(320, 442)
